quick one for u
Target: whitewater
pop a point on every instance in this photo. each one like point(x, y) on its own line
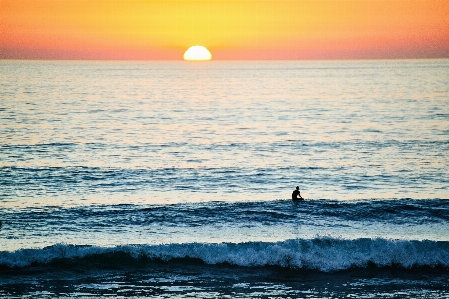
point(174, 179)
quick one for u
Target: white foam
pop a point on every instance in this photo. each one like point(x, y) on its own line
point(322, 253)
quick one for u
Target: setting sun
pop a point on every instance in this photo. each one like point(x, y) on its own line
point(197, 53)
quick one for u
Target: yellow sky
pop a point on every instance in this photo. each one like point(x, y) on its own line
point(293, 29)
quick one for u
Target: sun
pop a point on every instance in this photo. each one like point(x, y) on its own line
point(197, 53)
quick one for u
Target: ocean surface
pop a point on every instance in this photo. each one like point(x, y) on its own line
point(174, 179)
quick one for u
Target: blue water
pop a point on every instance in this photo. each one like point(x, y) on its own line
point(174, 179)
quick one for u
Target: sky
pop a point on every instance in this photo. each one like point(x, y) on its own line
point(231, 30)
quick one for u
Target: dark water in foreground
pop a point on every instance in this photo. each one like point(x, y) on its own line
point(236, 250)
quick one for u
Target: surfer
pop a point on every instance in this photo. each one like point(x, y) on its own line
point(296, 193)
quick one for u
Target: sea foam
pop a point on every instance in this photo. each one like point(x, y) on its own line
point(324, 254)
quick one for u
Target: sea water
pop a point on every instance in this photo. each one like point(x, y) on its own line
point(174, 179)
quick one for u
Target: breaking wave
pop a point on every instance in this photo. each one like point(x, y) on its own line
point(325, 254)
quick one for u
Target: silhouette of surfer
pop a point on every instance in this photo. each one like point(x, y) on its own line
point(296, 193)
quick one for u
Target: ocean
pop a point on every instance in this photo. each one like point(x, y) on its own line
point(174, 179)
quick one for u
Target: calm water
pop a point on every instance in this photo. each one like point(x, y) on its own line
point(173, 179)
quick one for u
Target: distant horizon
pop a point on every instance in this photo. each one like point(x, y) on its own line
point(226, 60)
point(256, 58)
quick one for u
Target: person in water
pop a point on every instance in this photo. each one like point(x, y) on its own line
point(296, 193)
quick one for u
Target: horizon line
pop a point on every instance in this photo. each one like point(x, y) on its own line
point(223, 60)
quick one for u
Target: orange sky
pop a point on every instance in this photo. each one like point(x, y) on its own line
point(292, 29)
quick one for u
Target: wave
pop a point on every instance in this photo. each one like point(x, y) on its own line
point(286, 212)
point(325, 254)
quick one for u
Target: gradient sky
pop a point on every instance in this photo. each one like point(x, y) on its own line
point(163, 30)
